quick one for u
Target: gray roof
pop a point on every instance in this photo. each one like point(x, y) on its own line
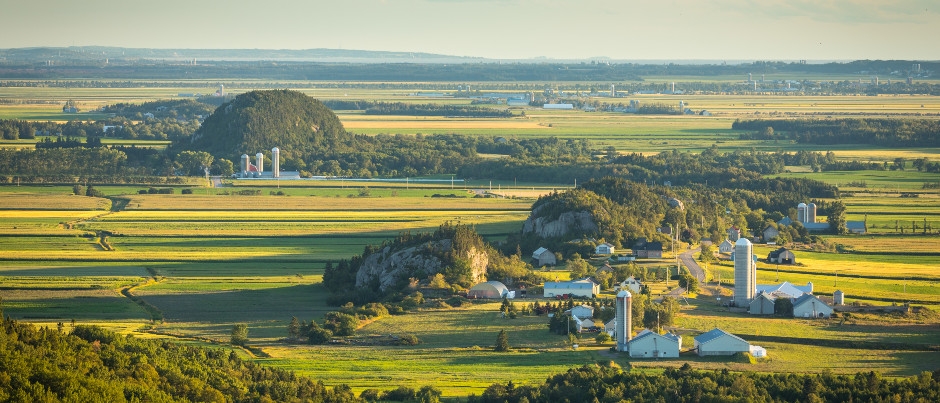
point(714, 334)
point(643, 335)
point(785, 221)
point(784, 288)
point(805, 298)
point(491, 285)
point(816, 226)
point(855, 225)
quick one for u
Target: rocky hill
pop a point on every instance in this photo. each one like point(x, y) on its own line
point(390, 267)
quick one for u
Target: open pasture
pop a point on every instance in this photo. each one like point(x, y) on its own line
point(32, 200)
point(875, 181)
point(269, 204)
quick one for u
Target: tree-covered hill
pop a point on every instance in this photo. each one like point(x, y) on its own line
point(95, 365)
point(258, 121)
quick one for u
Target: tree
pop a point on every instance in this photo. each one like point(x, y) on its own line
point(502, 341)
point(293, 329)
point(836, 218)
point(578, 267)
point(239, 334)
point(707, 255)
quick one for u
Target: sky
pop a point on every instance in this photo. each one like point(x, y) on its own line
point(715, 30)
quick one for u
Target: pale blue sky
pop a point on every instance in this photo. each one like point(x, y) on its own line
point(509, 29)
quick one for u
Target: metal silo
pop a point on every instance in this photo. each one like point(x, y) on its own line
point(259, 162)
point(624, 319)
point(276, 162)
point(745, 273)
point(801, 213)
point(811, 212)
point(838, 297)
point(246, 161)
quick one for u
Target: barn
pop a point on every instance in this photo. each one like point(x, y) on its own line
point(543, 257)
point(488, 290)
point(649, 344)
point(809, 306)
point(762, 304)
point(720, 342)
point(781, 256)
point(580, 288)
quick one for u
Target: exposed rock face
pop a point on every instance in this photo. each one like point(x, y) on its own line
point(572, 222)
point(388, 267)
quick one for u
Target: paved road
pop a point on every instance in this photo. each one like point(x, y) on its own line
point(692, 265)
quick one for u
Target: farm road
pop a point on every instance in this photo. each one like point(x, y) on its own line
point(692, 265)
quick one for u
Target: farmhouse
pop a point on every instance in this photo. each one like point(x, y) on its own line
point(720, 342)
point(762, 304)
point(543, 257)
point(650, 250)
point(770, 233)
point(781, 256)
point(604, 249)
point(809, 306)
point(649, 344)
point(580, 288)
point(733, 234)
point(631, 284)
point(726, 247)
point(488, 290)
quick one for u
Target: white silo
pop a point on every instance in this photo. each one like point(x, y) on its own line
point(801, 213)
point(613, 91)
point(246, 161)
point(276, 162)
point(811, 212)
point(624, 319)
point(838, 298)
point(259, 162)
point(745, 273)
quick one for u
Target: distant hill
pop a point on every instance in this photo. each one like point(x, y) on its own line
point(258, 121)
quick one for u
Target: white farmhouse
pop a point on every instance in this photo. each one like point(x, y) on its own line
point(648, 344)
point(720, 342)
point(604, 249)
point(631, 284)
point(580, 288)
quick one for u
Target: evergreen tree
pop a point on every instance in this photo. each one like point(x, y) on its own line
point(502, 341)
point(293, 329)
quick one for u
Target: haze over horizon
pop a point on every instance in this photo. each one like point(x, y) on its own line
point(496, 29)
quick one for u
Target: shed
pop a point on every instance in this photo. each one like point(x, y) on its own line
point(809, 306)
point(720, 342)
point(654, 345)
point(762, 304)
point(488, 290)
point(781, 256)
point(544, 257)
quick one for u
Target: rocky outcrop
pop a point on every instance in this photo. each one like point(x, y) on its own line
point(389, 267)
point(568, 223)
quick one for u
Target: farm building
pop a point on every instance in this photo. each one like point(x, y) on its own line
point(543, 257)
point(604, 249)
point(558, 106)
point(785, 221)
point(781, 256)
point(626, 258)
point(726, 247)
point(762, 304)
point(809, 306)
point(583, 311)
point(720, 342)
point(733, 234)
point(649, 344)
point(611, 327)
point(580, 288)
point(650, 250)
point(631, 284)
point(785, 289)
point(770, 233)
point(488, 290)
point(856, 227)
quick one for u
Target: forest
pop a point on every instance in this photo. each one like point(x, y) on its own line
point(407, 109)
point(882, 132)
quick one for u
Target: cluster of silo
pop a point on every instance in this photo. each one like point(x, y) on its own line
point(745, 273)
point(624, 319)
point(806, 213)
point(256, 170)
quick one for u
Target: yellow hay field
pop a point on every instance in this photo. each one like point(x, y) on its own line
point(436, 123)
point(51, 202)
point(256, 203)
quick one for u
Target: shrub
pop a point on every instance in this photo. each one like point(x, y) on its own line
point(401, 394)
point(186, 191)
point(409, 340)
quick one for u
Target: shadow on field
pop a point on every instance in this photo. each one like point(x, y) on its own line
point(78, 308)
point(76, 271)
point(280, 303)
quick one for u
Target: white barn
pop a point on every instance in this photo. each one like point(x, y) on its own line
point(584, 287)
point(720, 342)
point(809, 306)
point(648, 344)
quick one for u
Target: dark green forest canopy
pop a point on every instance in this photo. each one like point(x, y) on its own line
point(881, 132)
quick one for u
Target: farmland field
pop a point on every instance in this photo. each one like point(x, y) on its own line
point(189, 266)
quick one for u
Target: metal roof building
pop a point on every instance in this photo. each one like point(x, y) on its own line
point(720, 342)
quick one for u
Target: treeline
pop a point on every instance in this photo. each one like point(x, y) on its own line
point(176, 109)
point(607, 382)
point(882, 132)
point(95, 365)
point(401, 108)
